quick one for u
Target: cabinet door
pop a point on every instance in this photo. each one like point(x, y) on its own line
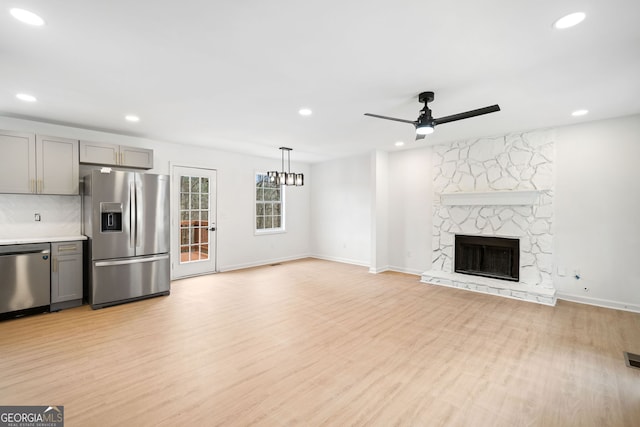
point(99, 153)
point(136, 157)
point(17, 162)
point(57, 165)
point(66, 271)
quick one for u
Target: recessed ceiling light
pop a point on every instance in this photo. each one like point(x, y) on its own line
point(26, 17)
point(399, 144)
point(132, 118)
point(305, 112)
point(569, 20)
point(26, 97)
point(579, 113)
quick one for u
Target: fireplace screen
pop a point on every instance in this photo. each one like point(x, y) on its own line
point(495, 257)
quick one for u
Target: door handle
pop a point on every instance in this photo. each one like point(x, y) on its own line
point(212, 228)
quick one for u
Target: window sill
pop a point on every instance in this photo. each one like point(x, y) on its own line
point(269, 231)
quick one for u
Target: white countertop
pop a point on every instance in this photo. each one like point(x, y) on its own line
point(18, 241)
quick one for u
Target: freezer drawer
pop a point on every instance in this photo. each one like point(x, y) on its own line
point(122, 280)
point(24, 277)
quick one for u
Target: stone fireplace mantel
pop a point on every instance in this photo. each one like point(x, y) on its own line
point(490, 198)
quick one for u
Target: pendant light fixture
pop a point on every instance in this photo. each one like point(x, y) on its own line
point(288, 177)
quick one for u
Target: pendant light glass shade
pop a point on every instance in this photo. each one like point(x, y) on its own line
point(288, 177)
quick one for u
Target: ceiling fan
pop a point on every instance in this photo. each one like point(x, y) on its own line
point(425, 122)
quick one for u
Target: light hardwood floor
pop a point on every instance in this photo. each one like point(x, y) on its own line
point(314, 342)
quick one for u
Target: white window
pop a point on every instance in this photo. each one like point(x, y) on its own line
point(269, 205)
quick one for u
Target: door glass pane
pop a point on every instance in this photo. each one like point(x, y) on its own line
point(184, 184)
point(195, 185)
point(184, 236)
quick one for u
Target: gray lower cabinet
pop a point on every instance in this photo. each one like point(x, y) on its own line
point(66, 275)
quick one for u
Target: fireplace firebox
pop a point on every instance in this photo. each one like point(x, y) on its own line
point(495, 257)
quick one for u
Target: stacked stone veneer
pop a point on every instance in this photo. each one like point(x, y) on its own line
point(504, 165)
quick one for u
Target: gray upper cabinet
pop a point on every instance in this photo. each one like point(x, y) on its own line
point(34, 164)
point(101, 153)
point(57, 167)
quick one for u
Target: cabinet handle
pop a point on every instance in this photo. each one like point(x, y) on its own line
point(55, 264)
point(67, 248)
point(122, 158)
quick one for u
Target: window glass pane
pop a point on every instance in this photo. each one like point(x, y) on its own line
point(276, 222)
point(260, 222)
point(184, 215)
point(268, 222)
point(259, 208)
point(204, 216)
point(205, 186)
point(268, 209)
point(259, 194)
point(276, 209)
point(204, 201)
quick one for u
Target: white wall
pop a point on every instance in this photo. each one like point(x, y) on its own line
point(410, 210)
point(379, 212)
point(237, 245)
point(341, 210)
point(598, 212)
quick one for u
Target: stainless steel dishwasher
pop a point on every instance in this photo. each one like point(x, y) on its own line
point(25, 279)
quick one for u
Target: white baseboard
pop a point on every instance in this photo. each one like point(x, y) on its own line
point(261, 263)
point(342, 260)
point(599, 302)
point(406, 270)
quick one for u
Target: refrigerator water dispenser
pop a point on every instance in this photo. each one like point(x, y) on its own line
point(111, 217)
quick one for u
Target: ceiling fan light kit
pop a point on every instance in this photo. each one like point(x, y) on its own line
point(425, 123)
point(288, 177)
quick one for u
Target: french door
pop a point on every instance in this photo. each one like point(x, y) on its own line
point(193, 221)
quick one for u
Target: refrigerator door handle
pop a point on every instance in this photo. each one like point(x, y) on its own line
point(132, 215)
point(131, 261)
point(139, 216)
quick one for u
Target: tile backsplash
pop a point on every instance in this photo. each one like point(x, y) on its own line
point(59, 216)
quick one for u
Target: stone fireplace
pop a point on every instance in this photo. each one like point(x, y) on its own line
point(500, 188)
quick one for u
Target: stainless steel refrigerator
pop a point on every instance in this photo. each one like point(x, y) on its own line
point(126, 220)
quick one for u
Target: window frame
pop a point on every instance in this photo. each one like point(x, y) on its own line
point(265, 231)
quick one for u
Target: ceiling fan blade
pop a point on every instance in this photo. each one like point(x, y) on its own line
point(390, 118)
point(467, 114)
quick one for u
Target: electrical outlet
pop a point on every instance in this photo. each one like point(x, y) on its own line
point(37, 217)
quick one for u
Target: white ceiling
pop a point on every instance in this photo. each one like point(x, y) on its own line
point(233, 74)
